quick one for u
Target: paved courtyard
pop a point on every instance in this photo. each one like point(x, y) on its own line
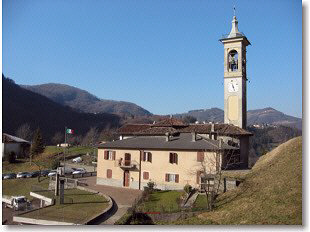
point(123, 197)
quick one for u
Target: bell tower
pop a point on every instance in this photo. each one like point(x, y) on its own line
point(235, 78)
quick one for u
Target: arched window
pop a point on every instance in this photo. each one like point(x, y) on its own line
point(233, 61)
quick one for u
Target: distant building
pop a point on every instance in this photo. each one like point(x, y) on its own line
point(12, 144)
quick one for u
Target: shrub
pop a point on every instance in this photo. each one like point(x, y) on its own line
point(12, 157)
point(188, 188)
point(151, 186)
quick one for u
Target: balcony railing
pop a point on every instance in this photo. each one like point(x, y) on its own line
point(129, 164)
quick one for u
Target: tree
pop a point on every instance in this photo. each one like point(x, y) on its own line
point(24, 132)
point(58, 138)
point(211, 171)
point(91, 137)
point(37, 145)
point(107, 135)
point(189, 119)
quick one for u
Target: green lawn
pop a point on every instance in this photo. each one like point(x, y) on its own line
point(46, 160)
point(76, 150)
point(79, 207)
point(200, 203)
point(14, 187)
point(161, 201)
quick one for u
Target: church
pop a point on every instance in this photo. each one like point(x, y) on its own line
point(172, 153)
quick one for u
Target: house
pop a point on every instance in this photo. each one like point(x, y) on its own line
point(12, 144)
point(172, 153)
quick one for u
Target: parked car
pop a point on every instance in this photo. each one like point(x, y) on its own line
point(79, 171)
point(22, 175)
point(45, 172)
point(9, 176)
point(77, 160)
point(52, 173)
point(32, 174)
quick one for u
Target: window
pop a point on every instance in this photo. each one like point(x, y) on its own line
point(200, 156)
point(109, 173)
point(147, 156)
point(173, 158)
point(146, 175)
point(109, 155)
point(172, 178)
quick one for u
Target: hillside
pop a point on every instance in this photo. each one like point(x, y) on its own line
point(84, 101)
point(21, 106)
point(260, 116)
point(270, 194)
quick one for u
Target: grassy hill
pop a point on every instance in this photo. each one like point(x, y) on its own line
point(270, 194)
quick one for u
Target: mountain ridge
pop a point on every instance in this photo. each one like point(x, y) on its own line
point(267, 115)
point(84, 101)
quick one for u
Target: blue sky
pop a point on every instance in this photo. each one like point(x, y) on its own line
point(162, 55)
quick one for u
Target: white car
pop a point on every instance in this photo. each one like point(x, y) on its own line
point(79, 171)
point(52, 173)
point(77, 160)
point(22, 175)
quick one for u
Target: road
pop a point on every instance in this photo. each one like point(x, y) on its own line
point(123, 198)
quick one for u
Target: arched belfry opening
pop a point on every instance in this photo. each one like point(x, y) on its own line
point(233, 61)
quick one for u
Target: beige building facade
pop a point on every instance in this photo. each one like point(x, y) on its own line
point(154, 165)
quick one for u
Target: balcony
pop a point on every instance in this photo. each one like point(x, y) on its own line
point(128, 164)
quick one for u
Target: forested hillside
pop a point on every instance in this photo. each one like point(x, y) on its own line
point(21, 106)
point(84, 101)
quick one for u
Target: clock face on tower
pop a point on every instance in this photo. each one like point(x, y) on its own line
point(233, 87)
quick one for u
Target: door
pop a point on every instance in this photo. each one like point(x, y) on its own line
point(127, 159)
point(126, 178)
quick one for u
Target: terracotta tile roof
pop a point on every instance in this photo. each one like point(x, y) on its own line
point(153, 129)
point(157, 131)
point(170, 122)
point(131, 128)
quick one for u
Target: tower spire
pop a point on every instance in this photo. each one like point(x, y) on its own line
point(234, 29)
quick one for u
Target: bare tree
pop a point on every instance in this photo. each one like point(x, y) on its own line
point(211, 171)
point(91, 137)
point(24, 132)
point(107, 135)
point(58, 138)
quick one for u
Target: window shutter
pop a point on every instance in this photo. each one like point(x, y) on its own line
point(200, 156)
point(150, 157)
point(141, 155)
point(177, 178)
point(170, 158)
point(109, 173)
point(145, 175)
point(113, 155)
point(105, 155)
point(167, 178)
point(176, 158)
point(144, 156)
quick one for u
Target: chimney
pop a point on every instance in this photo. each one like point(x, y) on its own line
point(167, 136)
point(220, 144)
point(211, 135)
point(193, 136)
